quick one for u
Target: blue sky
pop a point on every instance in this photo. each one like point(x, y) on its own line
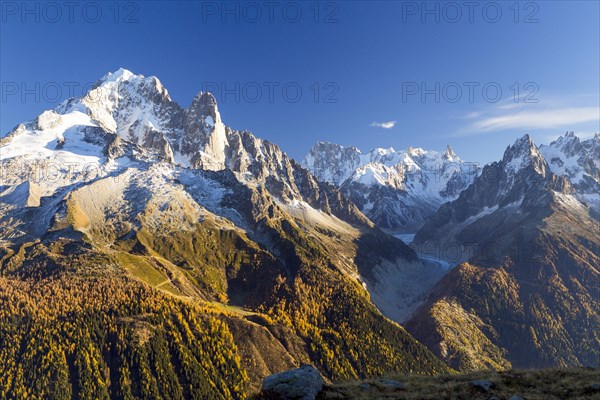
point(371, 74)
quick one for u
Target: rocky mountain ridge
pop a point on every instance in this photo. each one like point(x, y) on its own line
point(528, 251)
point(229, 242)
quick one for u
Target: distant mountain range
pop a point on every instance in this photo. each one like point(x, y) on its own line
point(149, 250)
point(523, 232)
point(398, 190)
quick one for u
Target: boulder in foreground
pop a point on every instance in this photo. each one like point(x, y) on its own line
point(303, 383)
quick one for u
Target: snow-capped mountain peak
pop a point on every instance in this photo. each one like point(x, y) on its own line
point(579, 161)
point(121, 74)
point(127, 121)
point(82, 132)
point(521, 148)
point(522, 154)
point(415, 152)
point(129, 105)
point(527, 180)
point(450, 155)
point(332, 163)
point(139, 109)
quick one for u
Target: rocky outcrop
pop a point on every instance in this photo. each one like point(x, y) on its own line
point(204, 137)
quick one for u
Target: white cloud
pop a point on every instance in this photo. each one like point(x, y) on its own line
point(525, 116)
point(384, 125)
point(553, 118)
point(473, 114)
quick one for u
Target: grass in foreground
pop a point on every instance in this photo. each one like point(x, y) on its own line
point(551, 384)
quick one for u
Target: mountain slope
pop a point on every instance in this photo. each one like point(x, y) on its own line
point(527, 293)
point(398, 190)
point(199, 219)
